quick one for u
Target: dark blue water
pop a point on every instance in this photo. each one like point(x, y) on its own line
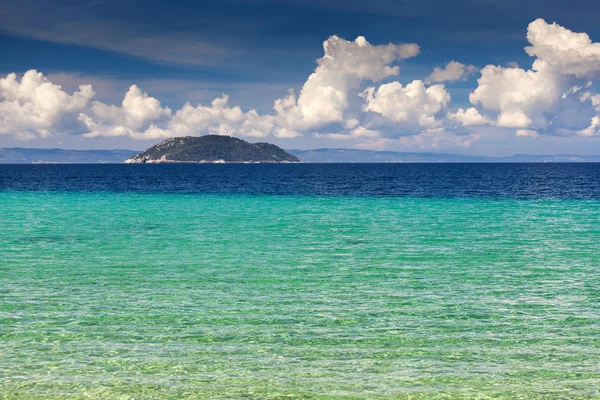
point(543, 181)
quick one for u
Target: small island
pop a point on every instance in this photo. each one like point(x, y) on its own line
point(212, 149)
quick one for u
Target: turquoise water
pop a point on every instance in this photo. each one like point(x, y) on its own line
point(122, 295)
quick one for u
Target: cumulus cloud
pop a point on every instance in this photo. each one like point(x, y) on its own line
point(415, 104)
point(520, 97)
point(345, 65)
point(452, 71)
point(222, 119)
point(138, 113)
point(469, 117)
point(593, 129)
point(34, 106)
point(545, 96)
point(568, 52)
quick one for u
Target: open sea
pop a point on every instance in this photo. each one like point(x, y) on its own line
point(331, 281)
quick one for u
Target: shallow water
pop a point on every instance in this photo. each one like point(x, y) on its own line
point(144, 294)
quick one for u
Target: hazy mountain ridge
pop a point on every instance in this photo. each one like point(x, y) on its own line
point(21, 155)
point(372, 156)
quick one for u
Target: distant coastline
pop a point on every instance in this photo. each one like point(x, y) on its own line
point(21, 155)
point(373, 156)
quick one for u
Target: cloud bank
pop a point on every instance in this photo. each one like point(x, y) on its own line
point(553, 97)
point(353, 93)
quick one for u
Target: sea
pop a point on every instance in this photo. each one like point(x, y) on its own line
point(307, 281)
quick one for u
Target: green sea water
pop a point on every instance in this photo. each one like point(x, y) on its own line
point(122, 296)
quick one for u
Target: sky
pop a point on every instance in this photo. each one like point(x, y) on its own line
point(482, 77)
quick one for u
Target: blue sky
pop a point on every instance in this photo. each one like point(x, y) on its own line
point(254, 51)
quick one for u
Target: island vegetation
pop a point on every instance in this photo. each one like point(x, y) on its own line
point(212, 149)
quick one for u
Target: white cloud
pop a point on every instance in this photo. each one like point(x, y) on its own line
point(573, 90)
point(593, 129)
point(566, 51)
point(542, 97)
point(469, 117)
point(452, 71)
point(594, 99)
point(415, 104)
point(221, 119)
point(361, 131)
point(138, 113)
point(34, 106)
point(520, 97)
point(345, 65)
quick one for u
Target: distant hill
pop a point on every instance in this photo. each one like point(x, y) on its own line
point(371, 156)
point(19, 155)
point(212, 149)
